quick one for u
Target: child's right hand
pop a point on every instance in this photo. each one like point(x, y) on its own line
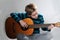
point(23, 24)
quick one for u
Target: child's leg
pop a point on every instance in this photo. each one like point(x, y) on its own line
point(22, 37)
point(34, 37)
point(46, 36)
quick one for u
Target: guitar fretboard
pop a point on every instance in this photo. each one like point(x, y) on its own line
point(39, 25)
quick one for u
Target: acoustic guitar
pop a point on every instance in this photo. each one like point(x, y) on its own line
point(12, 27)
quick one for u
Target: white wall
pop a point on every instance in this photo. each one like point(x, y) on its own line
point(50, 9)
point(6, 7)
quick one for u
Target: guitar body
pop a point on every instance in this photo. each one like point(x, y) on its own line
point(9, 28)
point(12, 27)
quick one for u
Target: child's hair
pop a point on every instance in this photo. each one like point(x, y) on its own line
point(30, 8)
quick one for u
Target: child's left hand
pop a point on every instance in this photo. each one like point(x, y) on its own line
point(50, 27)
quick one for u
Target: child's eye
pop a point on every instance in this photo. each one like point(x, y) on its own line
point(34, 15)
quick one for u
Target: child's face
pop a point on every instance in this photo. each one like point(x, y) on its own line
point(34, 15)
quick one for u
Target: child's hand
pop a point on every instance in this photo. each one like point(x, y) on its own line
point(23, 24)
point(50, 27)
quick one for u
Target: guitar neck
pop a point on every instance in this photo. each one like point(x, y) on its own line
point(39, 25)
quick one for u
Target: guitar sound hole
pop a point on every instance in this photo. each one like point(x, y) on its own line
point(24, 28)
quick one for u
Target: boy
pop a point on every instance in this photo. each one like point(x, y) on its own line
point(31, 12)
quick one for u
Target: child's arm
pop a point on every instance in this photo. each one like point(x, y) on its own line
point(42, 22)
point(16, 16)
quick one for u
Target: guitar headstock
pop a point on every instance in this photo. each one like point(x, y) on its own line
point(57, 24)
